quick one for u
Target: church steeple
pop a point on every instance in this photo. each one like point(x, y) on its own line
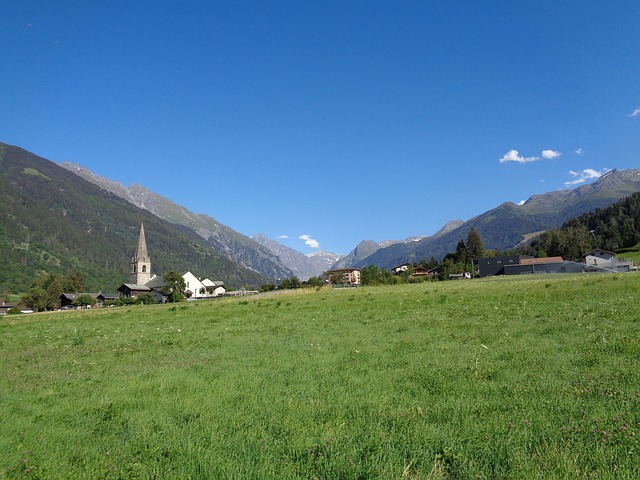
point(141, 263)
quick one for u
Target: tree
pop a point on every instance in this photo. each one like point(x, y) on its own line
point(267, 287)
point(475, 245)
point(315, 282)
point(73, 283)
point(44, 293)
point(35, 298)
point(368, 276)
point(146, 298)
point(175, 287)
point(84, 300)
point(293, 282)
point(462, 253)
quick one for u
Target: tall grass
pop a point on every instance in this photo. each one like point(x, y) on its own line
point(506, 378)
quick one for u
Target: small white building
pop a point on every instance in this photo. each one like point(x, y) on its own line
point(216, 288)
point(201, 288)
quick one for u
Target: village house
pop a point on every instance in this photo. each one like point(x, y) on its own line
point(202, 288)
point(6, 306)
point(69, 299)
point(400, 268)
point(132, 290)
point(421, 271)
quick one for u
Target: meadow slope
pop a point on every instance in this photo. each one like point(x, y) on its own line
point(528, 377)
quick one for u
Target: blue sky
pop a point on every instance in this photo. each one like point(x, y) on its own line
point(327, 122)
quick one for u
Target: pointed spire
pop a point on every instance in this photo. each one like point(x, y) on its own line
point(141, 263)
point(141, 252)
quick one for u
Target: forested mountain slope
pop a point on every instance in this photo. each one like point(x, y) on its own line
point(615, 228)
point(51, 220)
point(240, 248)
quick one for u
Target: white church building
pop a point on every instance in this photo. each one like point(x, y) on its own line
point(143, 281)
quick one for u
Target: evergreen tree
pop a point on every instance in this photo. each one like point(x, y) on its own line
point(475, 245)
point(462, 253)
point(74, 283)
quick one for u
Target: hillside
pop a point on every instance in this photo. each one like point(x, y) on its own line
point(51, 220)
point(505, 226)
point(239, 248)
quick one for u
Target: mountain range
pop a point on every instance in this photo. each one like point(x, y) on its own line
point(239, 248)
point(52, 220)
point(501, 228)
point(303, 266)
point(69, 219)
point(508, 225)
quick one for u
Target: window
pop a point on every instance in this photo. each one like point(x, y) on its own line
point(144, 269)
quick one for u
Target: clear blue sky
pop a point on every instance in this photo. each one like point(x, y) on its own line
point(341, 121)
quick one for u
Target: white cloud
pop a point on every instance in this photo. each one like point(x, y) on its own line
point(584, 175)
point(309, 241)
point(283, 236)
point(635, 113)
point(579, 151)
point(514, 156)
point(550, 154)
point(521, 202)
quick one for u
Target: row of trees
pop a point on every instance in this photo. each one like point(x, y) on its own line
point(292, 283)
point(45, 291)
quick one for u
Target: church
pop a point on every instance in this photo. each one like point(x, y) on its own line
point(143, 281)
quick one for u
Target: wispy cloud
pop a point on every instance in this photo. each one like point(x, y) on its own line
point(550, 154)
point(584, 175)
point(579, 151)
point(521, 202)
point(309, 241)
point(514, 156)
point(635, 113)
point(283, 236)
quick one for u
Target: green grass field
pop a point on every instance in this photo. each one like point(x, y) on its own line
point(527, 377)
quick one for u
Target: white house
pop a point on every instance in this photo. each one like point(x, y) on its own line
point(216, 288)
point(205, 288)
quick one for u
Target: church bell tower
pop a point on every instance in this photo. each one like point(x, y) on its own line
point(141, 263)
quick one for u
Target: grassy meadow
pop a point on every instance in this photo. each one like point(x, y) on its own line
point(521, 377)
